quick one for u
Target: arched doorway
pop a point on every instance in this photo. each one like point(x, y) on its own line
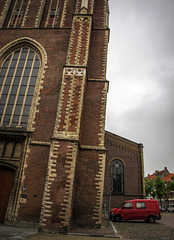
point(6, 183)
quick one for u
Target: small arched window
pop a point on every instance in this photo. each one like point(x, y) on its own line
point(17, 83)
point(117, 177)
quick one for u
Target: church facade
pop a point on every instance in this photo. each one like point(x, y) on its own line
point(52, 111)
point(53, 91)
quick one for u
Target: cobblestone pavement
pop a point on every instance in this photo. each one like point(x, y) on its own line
point(15, 233)
point(161, 230)
point(127, 230)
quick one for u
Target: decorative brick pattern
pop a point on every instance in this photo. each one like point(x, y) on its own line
point(40, 13)
point(91, 6)
point(25, 14)
point(106, 39)
point(102, 116)
point(70, 104)
point(4, 12)
point(87, 4)
point(53, 181)
point(65, 133)
point(64, 13)
point(70, 164)
point(51, 176)
point(79, 41)
point(99, 186)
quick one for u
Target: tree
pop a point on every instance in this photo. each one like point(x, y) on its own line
point(160, 188)
point(171, 184)
point(149, 187)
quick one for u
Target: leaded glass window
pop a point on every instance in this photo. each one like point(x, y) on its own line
point(117, 177)
point(17, 83)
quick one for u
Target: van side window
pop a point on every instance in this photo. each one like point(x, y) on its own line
point(128, 205)
point(140, 205)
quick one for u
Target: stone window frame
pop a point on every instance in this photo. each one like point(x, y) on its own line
point(117, 168)
point(41, 52)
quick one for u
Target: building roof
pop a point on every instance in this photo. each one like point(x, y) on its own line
point(151, 177)
point(168, 177)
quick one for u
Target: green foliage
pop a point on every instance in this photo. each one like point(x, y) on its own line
point(160, 187)
point(149, 187)
point(171, 184)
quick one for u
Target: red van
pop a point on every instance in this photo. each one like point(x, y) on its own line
point(137, 209)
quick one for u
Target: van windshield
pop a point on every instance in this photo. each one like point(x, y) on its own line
point(122, 205)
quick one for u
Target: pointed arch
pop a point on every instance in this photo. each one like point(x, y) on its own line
point(24, 41)
point(20, 89)
point(117, 177)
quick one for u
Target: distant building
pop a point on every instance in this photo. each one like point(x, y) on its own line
point(166, 177)
point(163, 173)
point(124, 170)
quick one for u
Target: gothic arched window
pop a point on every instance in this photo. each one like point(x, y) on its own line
point(18, 76)
point(117, 177)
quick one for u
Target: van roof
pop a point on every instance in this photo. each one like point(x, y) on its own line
point(141, 200)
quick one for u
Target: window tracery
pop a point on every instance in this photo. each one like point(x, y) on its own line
point(17, 83)
point(117, 177)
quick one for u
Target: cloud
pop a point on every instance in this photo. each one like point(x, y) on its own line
point(140, 103)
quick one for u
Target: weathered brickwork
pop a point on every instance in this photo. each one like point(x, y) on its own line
point(70, 103)
point(63, 135)
point(58, 193)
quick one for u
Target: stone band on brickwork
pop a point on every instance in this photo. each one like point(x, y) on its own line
point(105, 54)
point(51, 176)
point(99, 187)
point(70, 164)
point(64, 13)
point(40, 13)
point(102, 115)
point(54, 181)
point(25, 14)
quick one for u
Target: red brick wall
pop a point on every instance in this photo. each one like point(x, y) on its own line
point(52, 158)
point(128, 152)
point(34, 183)
point(85, 188)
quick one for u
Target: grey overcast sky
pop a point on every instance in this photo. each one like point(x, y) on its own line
point(140, 102)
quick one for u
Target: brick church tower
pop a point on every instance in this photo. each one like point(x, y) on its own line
point(53, 91)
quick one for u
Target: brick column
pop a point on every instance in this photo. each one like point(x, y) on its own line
point(58, 194)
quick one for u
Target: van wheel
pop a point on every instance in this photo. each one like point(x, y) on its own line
point(117, 218)
point(151, 219)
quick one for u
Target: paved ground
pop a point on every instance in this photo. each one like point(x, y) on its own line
point(161, 230)
point(137, 230)
point(15, 233)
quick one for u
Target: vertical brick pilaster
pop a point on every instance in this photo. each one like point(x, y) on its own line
point(59, 188)
point(69, 111)
point(99, 186)
point(57, 200)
